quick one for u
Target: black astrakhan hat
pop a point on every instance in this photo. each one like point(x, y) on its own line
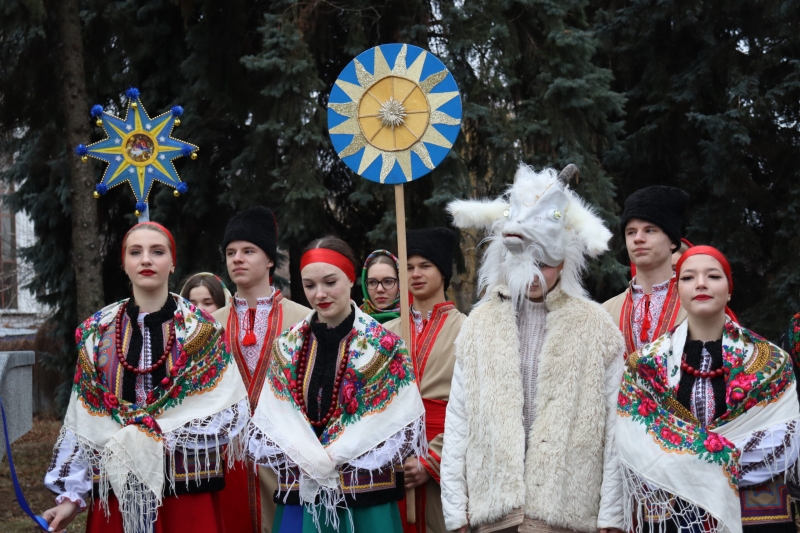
point(258, 226)
point(661, 205)
point(437, 245)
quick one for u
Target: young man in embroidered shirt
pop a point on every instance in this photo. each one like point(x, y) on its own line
point(651, 225)
point(538, 368)
point(259, 314)
point(436, 323)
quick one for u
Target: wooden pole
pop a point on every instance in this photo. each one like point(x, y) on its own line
point(405, 314)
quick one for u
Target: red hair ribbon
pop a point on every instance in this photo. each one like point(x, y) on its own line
point(331, 257)
point(160, 228)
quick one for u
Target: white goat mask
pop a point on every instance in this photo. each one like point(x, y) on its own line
point(541, 224)
point(538, 221)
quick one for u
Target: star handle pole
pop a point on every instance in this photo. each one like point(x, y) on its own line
point(405, 322)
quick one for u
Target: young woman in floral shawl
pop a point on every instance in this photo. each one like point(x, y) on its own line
point(154, 400)
point(340, 410)
point(380, 284)
point(790, 341)
point(707, 419)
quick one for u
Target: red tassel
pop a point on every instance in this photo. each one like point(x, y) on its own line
point(646, 321)
point(250, 336)
point(249, 339)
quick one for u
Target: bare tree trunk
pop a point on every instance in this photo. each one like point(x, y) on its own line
point(464, 284)
point(86, 260)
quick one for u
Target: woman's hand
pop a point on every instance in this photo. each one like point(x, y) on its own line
point(60, 516)
point(415, 473)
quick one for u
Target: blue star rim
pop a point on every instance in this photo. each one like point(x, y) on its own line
point(139, 150)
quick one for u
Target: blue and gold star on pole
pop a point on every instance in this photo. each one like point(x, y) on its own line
point(394, 113)
point(139, 150)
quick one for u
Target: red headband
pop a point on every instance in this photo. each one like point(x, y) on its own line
point(160, 228)
point(713, 252)
point(332, 257)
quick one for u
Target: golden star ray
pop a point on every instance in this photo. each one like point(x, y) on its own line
point(370, 154)
point(432, 136)
point(414, 72)
point(381, 66)
point(387, 164)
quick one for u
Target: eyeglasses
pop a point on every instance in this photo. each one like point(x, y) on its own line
point(387, 283)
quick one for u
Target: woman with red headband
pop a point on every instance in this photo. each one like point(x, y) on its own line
point(707, 419)
point(154, 400)
point(339, 411)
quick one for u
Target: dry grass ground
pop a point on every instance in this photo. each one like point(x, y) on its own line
point(31, 457)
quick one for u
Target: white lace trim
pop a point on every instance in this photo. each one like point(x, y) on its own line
point(317, 494)
point(137, 503)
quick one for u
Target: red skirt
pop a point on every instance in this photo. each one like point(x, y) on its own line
point(187, 513)
point(241, 499)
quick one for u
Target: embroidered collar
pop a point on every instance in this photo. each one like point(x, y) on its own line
point(418, 316)
point(155, 318)
point(660, 287)
point(334, 335)
point(266, 301)
point(437, 309)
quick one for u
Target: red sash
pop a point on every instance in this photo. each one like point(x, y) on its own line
point(669, 312)
point(255, 381)
point(434, 417)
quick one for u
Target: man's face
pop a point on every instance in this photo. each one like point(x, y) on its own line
point(424, 279)
point(248, 265)
point(648, 245)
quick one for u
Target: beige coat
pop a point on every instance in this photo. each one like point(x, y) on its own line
point(437, 375)
point(486, 470)
point(268, 480)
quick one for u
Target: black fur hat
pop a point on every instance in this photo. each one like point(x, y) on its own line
point(258, 226)
point(661, 205)
point(437, 245)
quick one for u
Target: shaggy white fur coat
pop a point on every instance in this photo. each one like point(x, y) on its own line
point(486, 472)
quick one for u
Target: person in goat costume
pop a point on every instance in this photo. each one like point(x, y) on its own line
point(538, 367)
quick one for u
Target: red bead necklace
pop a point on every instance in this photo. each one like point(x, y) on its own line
point(121, 355)
point(297, 390)
point(719, 372)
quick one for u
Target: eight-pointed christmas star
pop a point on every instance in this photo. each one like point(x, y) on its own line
point(140, 150)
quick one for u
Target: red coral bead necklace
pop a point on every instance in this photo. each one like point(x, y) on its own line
point(121, 355)
point(297, 390)
point(719, 372)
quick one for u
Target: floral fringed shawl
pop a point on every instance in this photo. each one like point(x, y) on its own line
point(378, 399)
point(673, 468)
point(126, 442)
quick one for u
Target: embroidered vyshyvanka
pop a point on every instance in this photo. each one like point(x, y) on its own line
point(674, 469)
point(173, 442)
point(378, 422)
point(247, 501)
